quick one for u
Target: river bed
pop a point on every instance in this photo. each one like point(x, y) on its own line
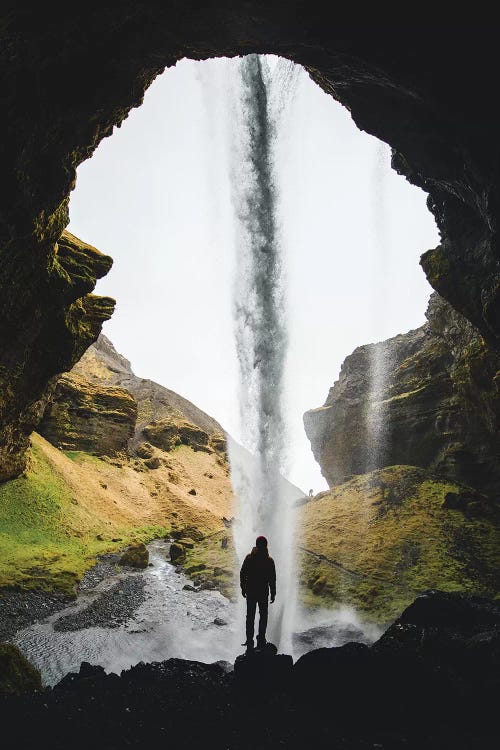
point(123, 617)
point(148, 616)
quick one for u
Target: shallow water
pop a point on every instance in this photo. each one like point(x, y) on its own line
point(171, 622)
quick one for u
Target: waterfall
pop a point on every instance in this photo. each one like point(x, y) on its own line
point(260, 329)
point(376, 425)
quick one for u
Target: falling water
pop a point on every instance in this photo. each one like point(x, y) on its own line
point(260, 328)
point(376, 425)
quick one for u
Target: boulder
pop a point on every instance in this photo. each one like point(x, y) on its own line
point(144, 450)
point(136, 556)
point(264, 667)
point(177, 553)
point(17, 675)
point(186, 543)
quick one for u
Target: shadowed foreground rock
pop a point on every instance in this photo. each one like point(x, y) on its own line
point(431, 681)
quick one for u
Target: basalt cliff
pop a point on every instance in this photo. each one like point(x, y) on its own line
point(428, 398)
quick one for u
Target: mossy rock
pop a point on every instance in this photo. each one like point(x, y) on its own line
point(145, 450)
point(177, 552)
point(136, 556)
point(17, 674)
point(194, 568)
point(319, 585)
point(186, 543)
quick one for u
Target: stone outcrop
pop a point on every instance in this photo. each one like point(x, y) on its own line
point(101, 407)
point(428, 398)
point(17, 675)
point(86, 416)
point(48, 320)
point(164, 418)
point(70, 78)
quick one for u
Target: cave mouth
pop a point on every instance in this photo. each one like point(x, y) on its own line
point(161, 205)
point(157, 197)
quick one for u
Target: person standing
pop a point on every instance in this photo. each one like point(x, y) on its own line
point(257, 581)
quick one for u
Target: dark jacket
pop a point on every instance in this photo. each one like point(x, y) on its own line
point(258, 575)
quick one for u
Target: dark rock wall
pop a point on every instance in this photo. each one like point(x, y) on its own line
point(48, 319)
point(68, 78)
point(436, 405)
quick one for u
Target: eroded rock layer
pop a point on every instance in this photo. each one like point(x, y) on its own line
point(85, 416)
point(428, 398)
point(48, 319)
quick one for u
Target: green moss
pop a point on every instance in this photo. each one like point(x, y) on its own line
point(45, 541)
point(208, 560)
point(393, 537)
point(17, 675)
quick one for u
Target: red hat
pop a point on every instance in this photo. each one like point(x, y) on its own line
point(261, 541)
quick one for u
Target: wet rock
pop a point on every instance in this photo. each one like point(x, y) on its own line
point(136, 556)
point(17, 675)
point(327, 635)
point(263, 666)
point(177, 552)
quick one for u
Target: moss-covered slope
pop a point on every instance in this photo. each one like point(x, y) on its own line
point(377, 540)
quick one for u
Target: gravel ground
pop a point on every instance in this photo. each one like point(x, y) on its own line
point(19, 609)
point(111, 609)
point(104, 568)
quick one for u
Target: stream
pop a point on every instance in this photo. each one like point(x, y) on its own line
point(131, 616)
point(167, 622)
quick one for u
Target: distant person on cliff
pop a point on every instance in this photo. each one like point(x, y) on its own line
point(257, 580)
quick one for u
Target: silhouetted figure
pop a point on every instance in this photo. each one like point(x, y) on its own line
point(257, 580)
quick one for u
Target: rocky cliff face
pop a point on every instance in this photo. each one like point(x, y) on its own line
point(86, 416)
point(47, 323)
point(101, 407)
point(70, 78)
point(429, 398)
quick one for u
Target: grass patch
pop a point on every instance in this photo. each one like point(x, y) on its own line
point(219, 564)
point(391, 528)
point(47, 541)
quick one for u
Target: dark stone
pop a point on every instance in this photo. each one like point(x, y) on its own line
point(192, 492)
point(263, 666)
point(423, 684)
point(17, 675)
point(177, 552)
point(136, 556)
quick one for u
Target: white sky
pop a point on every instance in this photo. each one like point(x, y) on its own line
point(156, 197)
